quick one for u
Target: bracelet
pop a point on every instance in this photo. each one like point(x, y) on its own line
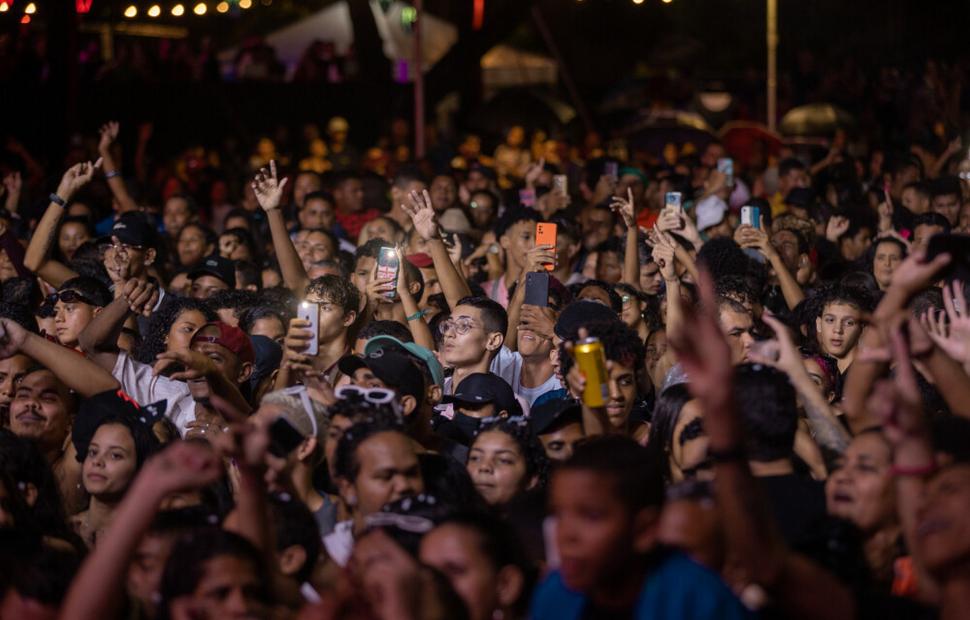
point(112, 174)
point(420, 314)
point(736, 454)
point(57, 200)
point(919, 471)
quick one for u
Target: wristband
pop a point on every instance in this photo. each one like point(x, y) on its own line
point(58, 200)
point(736, 454)
point(112, 174)
point(418, 315)
point(919, 471)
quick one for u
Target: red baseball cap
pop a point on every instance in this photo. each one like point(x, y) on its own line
point(230, 337)
point(420, 260)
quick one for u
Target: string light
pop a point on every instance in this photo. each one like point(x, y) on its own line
point(637, 1)
point(245, 4)
point(222, 7)
point(667, 1)
point(30, 9)
point(200, 8)
point(154, 10)
point(131, 11)
point(178, 10)
point(25, 19)
point(4, 7)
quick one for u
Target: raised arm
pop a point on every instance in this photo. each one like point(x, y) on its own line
point(757, 238)
point(269, 192)
point(112, 169)
point(199, 366)
point(99, 340)
point(453, 283)
point(799, 588)
point(98, 589)
point(536, 258)
point(416, 324)
point(626, 208)
point(37, 258)
point(77, 372)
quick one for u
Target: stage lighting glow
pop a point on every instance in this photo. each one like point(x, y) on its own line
point(245, 4)
point(30, 9)
point(178, 10)
point(154, 10)
point(4, 7)
point(222, 7)
point(131, 11)
point(200, 9)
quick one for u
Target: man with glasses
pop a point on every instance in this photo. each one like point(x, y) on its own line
point(75, 305)
point(472, 337)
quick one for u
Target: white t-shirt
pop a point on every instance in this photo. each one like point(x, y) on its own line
point(340, 542)
point(138, 380)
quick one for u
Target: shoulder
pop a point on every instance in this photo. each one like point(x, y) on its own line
point(553, 600)
point(679, 587)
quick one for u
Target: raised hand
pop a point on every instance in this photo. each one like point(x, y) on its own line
point(756, 238)
point(663, 255)
point(141, 295)
point(76, 177)
point(836, 227)
point(915, 273)
point(197, 365)
point(669, 219)
point(109, 133)
point(538, 319)
point(532, 174)
point(538, 256)
point(418, 207)
point(779, 352)
point(626, 208)
point(897, 402)
point(182, 466)
point(268, 188)
point(12, 337)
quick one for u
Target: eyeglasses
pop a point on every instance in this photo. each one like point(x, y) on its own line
point(376, 396)
point(69, 297)
point(461, 326)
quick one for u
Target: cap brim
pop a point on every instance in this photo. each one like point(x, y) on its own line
point(349, 364)
point(458, 399)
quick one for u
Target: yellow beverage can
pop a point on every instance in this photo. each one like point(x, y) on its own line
point(591, 359)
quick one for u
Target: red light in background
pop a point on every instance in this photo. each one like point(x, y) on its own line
point(25, 19)
point(83, 6)
point(478, 14)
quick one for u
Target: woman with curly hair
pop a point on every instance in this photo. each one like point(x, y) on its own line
point(172, 327)
point(506, 460)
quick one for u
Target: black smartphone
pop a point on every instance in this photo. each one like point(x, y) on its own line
point(283, 438)
point(958, 247)
point(537, 288)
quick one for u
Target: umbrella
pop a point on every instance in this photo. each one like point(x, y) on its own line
point(815, 119)
point(660, 128)
point(530, 107)
point(743, 140)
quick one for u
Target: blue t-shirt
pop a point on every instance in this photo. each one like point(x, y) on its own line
point(676, 589)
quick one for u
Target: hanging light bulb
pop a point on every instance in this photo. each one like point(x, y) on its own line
point(200, 8)
point(30, 9)
point(178, 10)
point(245, 4)
point(131, 11)
point(222, 7)
point(154, 10)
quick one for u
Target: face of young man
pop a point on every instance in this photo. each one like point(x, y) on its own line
point(609, 267)
point(304, 184)
point(517, 240)
point(313, 247)
point(466, 342)
point(350, 196)
point(922, 235)
point(443, 193)
point(855, 246)
point(39, 410)
point(839, 329)
point(559, 443)
point(333, 320)
point(225, 360)
point(205, 286)
point(596, 226)
point(362, 273)
point(915, 202)
point(623, 395)
point(317, 213)
point(650, 278)
point(175, 215)
point(786, 244)
point(947, 205)
point(388, 471)
point(70, 319)
point(12, 371)
point(737, 326)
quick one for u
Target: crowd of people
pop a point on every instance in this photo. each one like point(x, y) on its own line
point(518, 385)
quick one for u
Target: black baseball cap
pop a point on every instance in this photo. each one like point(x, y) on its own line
point(111, 402)
point(394, 368)
point(134, 229)
point(802, 197)
point(218, 267)
point(482, 388)
point(543, 416)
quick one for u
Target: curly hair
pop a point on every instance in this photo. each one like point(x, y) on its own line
point(620, 343)
point(518, 428)
point(160, 322)
point(335, 290)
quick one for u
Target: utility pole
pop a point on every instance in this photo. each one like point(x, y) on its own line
point(772, 63)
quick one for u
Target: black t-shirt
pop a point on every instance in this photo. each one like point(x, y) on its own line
point(798, 503)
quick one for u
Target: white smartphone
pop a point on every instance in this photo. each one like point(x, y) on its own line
point(310, 312)
point(751, 216)
point(674, 200)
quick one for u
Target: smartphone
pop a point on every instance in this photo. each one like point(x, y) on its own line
point(310, 312)
point(388, 264)
point(200, 391)
point(958, 247)
point(751, 216)
point(537, 288)
point(546, 235)
point(725, 166)
point(283, 438)
point(674, 200)
point(560, 183)
point(611, 169)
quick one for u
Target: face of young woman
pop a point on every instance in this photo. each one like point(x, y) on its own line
point(497, 467)
point(183, 329)
point(110, 462)
point(861, 488)
point(456, 551)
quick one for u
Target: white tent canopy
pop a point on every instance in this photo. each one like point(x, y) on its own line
point(504, 66)
point(334, 24)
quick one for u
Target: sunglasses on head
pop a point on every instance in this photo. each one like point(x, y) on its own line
point(376, 396)
point(69, 296)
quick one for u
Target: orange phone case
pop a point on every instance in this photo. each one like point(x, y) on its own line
point(546, 235)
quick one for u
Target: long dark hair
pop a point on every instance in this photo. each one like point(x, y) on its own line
point(536, 462)
point(160, 322)
point(666, 413)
